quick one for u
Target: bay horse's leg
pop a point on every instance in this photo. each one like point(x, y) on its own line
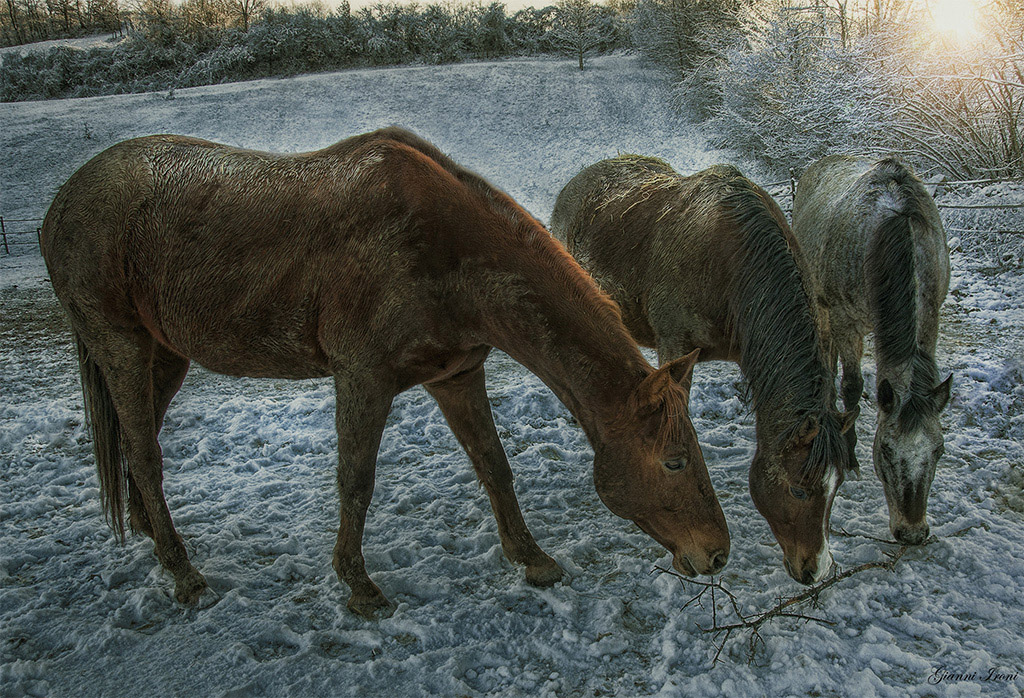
point(851, 348)
point(126, 362)
point(463, 401)
point(168, 371)
point(361, 413)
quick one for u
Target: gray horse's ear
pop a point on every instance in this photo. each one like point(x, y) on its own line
point(940, 393)
point(887, 399)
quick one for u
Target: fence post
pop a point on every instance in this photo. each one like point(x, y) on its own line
point(3, 230)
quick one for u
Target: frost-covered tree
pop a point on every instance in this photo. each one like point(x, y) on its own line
point(678, 34)
point(578, 28)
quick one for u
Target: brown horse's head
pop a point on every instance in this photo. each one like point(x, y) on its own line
point(793, 482)
point(653, 473)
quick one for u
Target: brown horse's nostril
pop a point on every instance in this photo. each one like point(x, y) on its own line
point(718, 560)
point(807, 578)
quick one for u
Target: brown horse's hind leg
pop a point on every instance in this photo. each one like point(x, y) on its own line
point(168, 371)
point(361, 413)
point(126, 360)
point(463, 400)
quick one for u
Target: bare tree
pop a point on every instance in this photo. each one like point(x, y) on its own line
point(578, 28)
point(248, 10)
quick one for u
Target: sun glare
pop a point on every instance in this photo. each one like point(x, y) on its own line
point(956, 20)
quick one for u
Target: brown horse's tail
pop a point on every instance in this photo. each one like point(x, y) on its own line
point(105, 427)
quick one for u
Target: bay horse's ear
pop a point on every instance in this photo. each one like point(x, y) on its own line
point(887, 400)
point(940, 393)
point(681, 369)
point(848, 419)
point(807, 430)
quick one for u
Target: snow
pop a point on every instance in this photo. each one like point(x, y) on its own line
point(249, 467)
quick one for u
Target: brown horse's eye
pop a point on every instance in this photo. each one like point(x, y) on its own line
point(798, 493)
point(676, 464)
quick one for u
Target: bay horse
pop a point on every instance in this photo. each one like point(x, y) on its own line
point(377, 261)
point(880, 262)
point(707, 262)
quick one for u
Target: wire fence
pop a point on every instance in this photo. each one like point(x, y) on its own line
point(10, 237)
point(17, 232)
point(786, 191)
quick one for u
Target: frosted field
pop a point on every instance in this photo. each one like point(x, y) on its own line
point(249, 467)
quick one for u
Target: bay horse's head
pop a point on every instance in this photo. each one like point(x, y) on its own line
point(908, 445)
point(793, 482)
point(652, 472)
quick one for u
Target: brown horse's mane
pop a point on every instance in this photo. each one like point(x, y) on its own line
point(543, 249)
point(774, 318)
point(892, 278)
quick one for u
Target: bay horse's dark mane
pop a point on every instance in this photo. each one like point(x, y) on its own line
point(773, 318)
point(892, 285)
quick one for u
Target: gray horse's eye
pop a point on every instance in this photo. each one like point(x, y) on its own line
point(676, 464)
point(798, 493)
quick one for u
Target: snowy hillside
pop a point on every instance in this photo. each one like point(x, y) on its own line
point(249, 467)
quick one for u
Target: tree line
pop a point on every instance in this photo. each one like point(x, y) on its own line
point(786, 81)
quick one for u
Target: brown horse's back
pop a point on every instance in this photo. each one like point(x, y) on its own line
point(259, 264)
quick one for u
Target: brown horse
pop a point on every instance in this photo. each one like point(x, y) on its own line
point(382, 263)
point(878, 253)
point(708, 262)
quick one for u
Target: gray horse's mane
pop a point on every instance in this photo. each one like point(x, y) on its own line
point(774, 319)
point(892, 281)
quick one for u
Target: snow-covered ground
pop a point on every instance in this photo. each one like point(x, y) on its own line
point(249, 467)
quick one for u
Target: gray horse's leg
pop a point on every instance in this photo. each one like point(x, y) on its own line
point(463, 400)
point(361, 413)
point(168, 371)
point(850, 353)
point(125, 360)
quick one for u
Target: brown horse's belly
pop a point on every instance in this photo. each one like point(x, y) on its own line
point(252, 349)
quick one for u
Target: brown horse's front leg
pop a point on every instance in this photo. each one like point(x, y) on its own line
point(463, 400)
point(361, 414)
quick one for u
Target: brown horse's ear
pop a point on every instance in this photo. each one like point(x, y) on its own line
point(848, 419)
point(940, 394)
point(647, 398)
point(887, 400)
point(807, 431)
point(681, 369)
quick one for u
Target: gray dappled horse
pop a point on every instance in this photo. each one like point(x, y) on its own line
point(382, 263)
point(877, 249)
point(708, 262)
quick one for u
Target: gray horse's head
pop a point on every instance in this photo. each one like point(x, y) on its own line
point(908, 445)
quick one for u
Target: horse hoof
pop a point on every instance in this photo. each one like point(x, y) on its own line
point(189, 588)
point(374, 607)
point(543, 575)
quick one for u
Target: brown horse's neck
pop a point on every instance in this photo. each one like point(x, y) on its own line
point(551, 317)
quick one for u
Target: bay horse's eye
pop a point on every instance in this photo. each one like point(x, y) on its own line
point(798, 493)
point(676, 464)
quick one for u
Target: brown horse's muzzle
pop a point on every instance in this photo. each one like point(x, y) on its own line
point(809, 569)
point(692, 565)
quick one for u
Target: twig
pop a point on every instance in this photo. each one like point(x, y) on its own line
point(753, 622)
